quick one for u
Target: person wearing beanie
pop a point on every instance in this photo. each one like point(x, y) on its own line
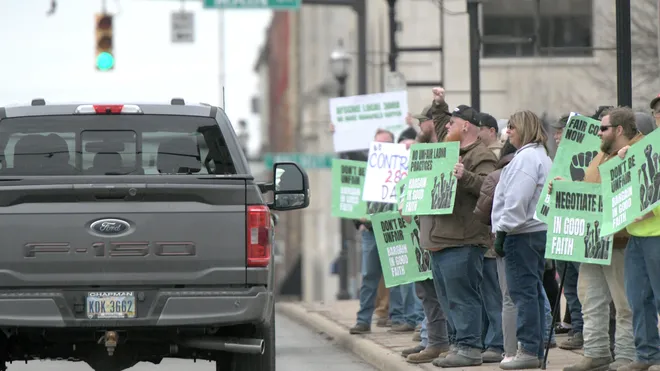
point(407, 137)
point(645, 122)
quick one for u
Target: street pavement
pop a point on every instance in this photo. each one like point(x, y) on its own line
point(382, 348)
point(298, 348)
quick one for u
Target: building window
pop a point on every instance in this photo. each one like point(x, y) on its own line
point(508, 30)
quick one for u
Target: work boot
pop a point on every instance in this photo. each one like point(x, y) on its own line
point(426, 356)
point(622, 362)
point(522, 361)
point(414, 350)
point(360, 328)
point(591, 364)
point(573, 343)
point(654, 368)
point(637, 366)
point(402, 327)
point(492, 356)
point(383, 322)
point(465, 358)
point(417, 336)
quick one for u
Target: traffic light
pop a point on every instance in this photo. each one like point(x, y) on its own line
point(105, 58)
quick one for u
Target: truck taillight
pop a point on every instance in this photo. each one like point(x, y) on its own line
point(258, 236)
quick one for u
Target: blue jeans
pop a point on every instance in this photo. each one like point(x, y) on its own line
point(525, 264)
point(570, 292)
point(424, 333)
point(457, 276)
point(492, 300)
point(642, 281)
point(371, 273)
point(405, 306)
point(548, 320)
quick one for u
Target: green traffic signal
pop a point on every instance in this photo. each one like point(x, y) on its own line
point(105, 61)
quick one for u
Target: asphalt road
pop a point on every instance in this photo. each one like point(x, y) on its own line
point(297, 349)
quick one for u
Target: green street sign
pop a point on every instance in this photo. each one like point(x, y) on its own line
point(305, 160)
point(253, 4)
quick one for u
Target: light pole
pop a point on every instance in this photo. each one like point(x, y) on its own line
point(340, 64)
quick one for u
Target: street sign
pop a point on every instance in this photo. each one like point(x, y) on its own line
point(253, 4)
point(305, 160)
point(183, 27)
point(395, 81)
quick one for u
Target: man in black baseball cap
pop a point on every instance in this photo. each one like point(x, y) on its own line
point(459, 236)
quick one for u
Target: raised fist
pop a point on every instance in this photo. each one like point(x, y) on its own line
point(579, 164)
point(438, 94)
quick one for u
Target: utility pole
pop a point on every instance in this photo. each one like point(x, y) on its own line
point(475, 51)
point(395, 50)
point(623, 54)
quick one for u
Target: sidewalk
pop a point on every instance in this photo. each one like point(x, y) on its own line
point(382, 349)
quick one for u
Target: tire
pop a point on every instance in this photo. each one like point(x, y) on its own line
point(254, 362)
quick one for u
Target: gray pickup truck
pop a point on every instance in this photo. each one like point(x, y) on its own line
point(135, 233)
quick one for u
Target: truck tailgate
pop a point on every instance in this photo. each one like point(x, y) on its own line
point(109, 234)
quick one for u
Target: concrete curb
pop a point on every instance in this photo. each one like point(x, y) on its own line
point(371, 352)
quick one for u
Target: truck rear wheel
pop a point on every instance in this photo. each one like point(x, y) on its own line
point(254, 362)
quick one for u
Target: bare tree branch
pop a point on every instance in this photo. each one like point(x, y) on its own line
point(644, 58)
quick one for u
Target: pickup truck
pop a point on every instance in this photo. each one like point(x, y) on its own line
point(136, 232)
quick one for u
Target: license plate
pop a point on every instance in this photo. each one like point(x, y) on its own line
point(102, 305)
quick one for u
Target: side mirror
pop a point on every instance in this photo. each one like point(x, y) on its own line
point(290, 187)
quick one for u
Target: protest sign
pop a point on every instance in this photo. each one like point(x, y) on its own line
point(387, 164)
point(357, 118)
point(347, 182)
point(579, 145)
point(401, 257)
point(431, 186)
point(631, 186)
point(575, 224)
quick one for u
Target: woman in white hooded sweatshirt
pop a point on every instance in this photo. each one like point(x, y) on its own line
point(520, 237)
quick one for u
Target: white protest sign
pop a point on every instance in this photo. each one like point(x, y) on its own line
point(386, 166)
point(357, 118)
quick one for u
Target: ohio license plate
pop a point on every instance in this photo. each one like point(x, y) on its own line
point(102, 305)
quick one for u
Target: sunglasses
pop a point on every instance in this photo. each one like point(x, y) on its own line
point(604, 128)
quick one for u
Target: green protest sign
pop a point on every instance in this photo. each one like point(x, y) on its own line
point(347, 182)
point(631, 186)
point(401, 257)
point(575, 224)
point(579, 145)
point(431, 186)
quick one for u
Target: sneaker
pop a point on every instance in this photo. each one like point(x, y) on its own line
point(573, 343)
point(506, 358)
point(522, 361)
point(624, 362)
point(591, 364)
point(457, 360)
point(360, 328)
point(414, 350)
point(562, 328)
point(401, 328)
point(492, 356)
point(638, 366)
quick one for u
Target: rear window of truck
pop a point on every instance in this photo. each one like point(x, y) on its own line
point(113, 145)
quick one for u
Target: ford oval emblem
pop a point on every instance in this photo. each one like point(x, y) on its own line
point(110, 226)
